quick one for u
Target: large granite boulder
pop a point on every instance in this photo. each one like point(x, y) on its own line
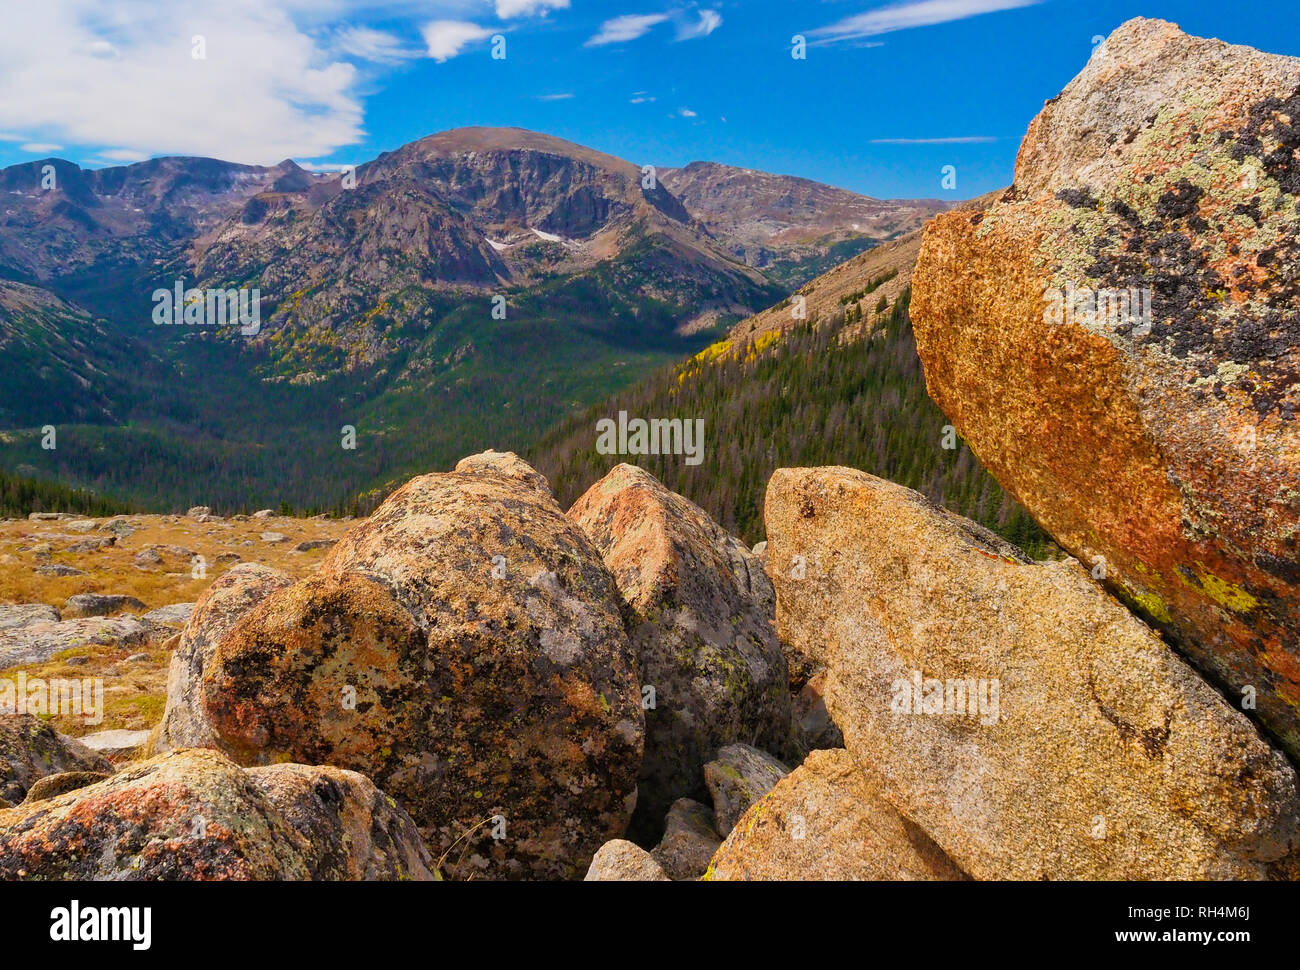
point(222, 605)
point(1028, 722)
point(465, 648)
point(196, 815)
point(703, 614)
point(1118, 341)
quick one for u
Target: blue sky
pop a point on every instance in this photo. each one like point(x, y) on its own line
point(888, 94)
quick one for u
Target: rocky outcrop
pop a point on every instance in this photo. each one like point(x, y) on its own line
point(712, 669)
point(826, 821)
point(1030, 724)
point(195, 815)
point(1132, 376)
point(30, 749)
point(463, 647)
point(230, 596)
point(623, 861)
point(736, 779)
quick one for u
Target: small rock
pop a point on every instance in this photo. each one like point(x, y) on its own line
point(38, 642)
point(310, 544)
point(138, 658)
point(198, 510)
point(52, 786)
point(98, 604)
point(119, 527)
point(59, 569)
point(689, 841)
point(263, 514)
point(740, 776)
point(174, 614)
point(147, 559)
point(92, 545)
point(623, 861)
point(274, 537)
point(116, 744)
point(85, 525)
point(78, 661)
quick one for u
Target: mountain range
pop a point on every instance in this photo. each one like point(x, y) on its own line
point(478, 283)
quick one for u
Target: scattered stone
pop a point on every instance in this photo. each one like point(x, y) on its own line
point(117, 744)
point(85, 525)
point(263, 514)
point(92, 545)
point(174, 614)
point(59, 569)
point(52, 786)
point(689, 841)
point(737, 778)
point(38, 642)
point(98, 604)
point(274, 537)
point(310, 544)
point(198, 510)
point(622, 861)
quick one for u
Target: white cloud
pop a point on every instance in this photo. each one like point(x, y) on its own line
point(710, 20)
point(687, 113)
point(123, 155)
point(86, 74)
point(507, 9)
point(447, 38)
point(640, 97)
point(40, 148)
point(901, 16)
point(625, 28)
point(372, 45)
point(553, 97)
point(960, 140)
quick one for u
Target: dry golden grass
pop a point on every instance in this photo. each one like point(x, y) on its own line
point(135, 691)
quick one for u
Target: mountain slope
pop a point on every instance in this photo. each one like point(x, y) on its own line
point(844, 387)
point(791, 228)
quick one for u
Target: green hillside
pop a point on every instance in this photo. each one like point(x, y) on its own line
point(810, 398)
